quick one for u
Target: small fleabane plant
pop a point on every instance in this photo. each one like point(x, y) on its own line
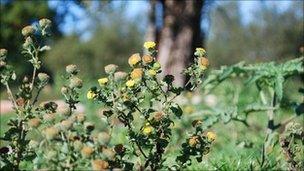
point(145, 104)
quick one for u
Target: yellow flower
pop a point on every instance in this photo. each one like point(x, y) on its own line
point(200, 50)
point(103, 81)
point(91, 95)
point(87, 151)
point(134, 59)
point(147, 59)
point(149, 45)
point(136, 73)
point(193, 141)
point(147, 129)
point(211, 136)
point(152, 72)
point(99, 164)
point(130, 83)
point(203, 61)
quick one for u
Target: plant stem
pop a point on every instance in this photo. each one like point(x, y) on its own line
point(11, 96)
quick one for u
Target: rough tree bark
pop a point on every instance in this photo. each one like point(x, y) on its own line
point(179, 36)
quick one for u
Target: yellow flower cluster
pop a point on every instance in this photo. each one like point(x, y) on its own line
point(149, 45)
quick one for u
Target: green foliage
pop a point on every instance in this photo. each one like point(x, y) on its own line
point(262, 39)
point(124, 98)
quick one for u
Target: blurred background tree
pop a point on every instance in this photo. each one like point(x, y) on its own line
point(272, 34)
point(93, 34)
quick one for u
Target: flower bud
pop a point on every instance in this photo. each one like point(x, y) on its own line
point(200, 52)
point(33, 144)
point(103, 138)
point(2, 63)
point(152, 72)
point(99, 164)
point(44, 23)
point(71, 69)
point(28, 31)
point(147, 129)
point(147, 59)
point(134, 59)
point(193, 141)
point(43, 77)
point(77, 145)
point(34, 123)
point(111, 68)
point(158, 116)
point(130, 83)
point(66, 124)
point(91, 95)
point(109, 153)
point(203, 61)
point(75, 82)
point(3, 53)
point(64, 90)
point(211, 136)
point(49, 117)
point(156, 66)
point(51, 132)
point(27, 43)
point(137, 73)
point(80, 117)
point(118, 76)
point(87, 151)
point(103, 81)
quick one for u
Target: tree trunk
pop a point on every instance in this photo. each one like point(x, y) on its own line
point(151, 34)
point(179, 36)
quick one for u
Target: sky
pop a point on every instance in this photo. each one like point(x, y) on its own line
point(138, 7)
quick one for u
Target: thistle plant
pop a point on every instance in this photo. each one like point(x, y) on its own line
point(145, 104)
point(269, 79)
point(25, 99)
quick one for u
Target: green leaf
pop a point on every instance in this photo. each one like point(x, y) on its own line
point(168, 79)
point(177, 111)
point(279, 87)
